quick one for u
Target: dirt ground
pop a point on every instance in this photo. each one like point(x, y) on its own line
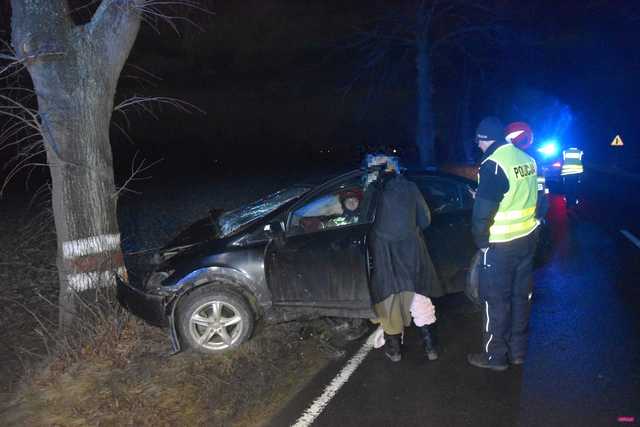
point(129, 379)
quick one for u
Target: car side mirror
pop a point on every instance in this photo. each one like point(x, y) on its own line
point(275, 230)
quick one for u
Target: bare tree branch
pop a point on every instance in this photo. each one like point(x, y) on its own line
point(115, 26)
point(147, 77)
point(484, 29)
point(144, 104)
point(143, 101)
point(123, 131)
point(17, 63)
point(21, 165)
point(32, 41)
point(165, 11)
point(137, 169)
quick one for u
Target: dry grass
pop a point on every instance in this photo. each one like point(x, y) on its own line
point(127, 379)
point(27, 273)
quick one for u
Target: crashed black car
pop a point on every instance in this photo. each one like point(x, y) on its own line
point(301, 251)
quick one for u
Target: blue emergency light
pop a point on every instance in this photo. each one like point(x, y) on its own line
point(549, 148)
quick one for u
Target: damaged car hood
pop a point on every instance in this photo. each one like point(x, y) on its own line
point(202, 230)
point(221, 224)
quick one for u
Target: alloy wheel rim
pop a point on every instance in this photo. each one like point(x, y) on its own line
point(216, 325)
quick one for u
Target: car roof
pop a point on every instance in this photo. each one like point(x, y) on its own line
point(439, 174)
point(316, 181)
point(326, 179)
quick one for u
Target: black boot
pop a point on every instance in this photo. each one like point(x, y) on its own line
point(516, 360)
point(392, 347)
point(428, 342)
point(482, 360)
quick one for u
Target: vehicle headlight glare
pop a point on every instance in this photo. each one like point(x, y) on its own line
point(549, 149)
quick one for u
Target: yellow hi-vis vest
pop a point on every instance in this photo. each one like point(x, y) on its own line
point(516, 216)
point(572, 162)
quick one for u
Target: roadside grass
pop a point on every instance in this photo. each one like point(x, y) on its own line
point(28, 276)
point(122, 375)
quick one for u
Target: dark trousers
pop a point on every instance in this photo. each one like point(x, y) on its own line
point(506, 281)
point(571, 185)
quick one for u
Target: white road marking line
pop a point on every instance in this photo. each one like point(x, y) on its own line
point(318, 405)
point(631, 237)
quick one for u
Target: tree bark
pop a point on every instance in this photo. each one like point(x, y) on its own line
point(424, 129)
point(466, 130)
point(75, 70)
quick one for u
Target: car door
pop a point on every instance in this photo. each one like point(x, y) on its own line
point(449, 237)
point(322, 263)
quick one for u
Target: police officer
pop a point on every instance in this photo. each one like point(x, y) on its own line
point(521, 135)
point(571, 172)
point(504, 228)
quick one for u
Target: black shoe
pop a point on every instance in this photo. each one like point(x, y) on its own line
point(392, 347)
point(518, 360)
point(428, 342)
point(481, 360)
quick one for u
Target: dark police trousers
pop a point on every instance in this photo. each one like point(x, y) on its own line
point(571, 185)
point(506, 281)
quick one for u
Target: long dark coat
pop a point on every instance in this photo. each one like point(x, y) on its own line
point(400, 257)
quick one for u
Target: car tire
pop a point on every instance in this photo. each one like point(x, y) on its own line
point(213, 320)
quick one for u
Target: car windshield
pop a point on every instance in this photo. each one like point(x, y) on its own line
point(232, 220)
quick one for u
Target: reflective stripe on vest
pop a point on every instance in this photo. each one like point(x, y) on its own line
point(510, 232)
point(571, 169)
point(572, 162)
point(516, 213)
point(512, 215)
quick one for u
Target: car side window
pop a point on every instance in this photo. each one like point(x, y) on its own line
point(442, 195)
point(341, 206)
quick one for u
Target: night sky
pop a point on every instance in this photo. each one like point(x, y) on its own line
point(271, 76)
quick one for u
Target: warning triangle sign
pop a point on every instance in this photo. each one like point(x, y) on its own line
point(617, 142)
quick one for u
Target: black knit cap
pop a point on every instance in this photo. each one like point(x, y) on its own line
point(490, 129)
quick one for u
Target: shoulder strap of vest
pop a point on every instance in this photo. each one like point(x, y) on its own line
point(497, 165)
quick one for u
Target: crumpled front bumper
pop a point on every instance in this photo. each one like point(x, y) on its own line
point(148, 307)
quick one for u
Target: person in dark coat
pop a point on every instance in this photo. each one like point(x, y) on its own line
point(404, 276)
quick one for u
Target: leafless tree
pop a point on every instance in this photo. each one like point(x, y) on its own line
point(417, 30)
point(75, 69)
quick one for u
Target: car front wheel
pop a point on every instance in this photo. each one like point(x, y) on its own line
point(211, 320)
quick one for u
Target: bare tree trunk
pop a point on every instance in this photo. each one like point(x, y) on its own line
point(75, 71)
point(424, 129)
point(466, 130)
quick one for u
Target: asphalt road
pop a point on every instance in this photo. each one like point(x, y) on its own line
point(583, 365)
